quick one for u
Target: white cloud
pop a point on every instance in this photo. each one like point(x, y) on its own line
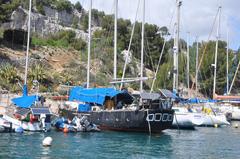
point(196, 15)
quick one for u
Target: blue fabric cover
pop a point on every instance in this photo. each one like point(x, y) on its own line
point(25, 101)
point(84, 107)
point(197, 100)
point(98, 95)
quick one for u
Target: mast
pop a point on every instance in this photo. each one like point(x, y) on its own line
point(142, 47)
point(216, 52)
point(115, 41)
point(188, 64)
point(196, 76)
point(234, 77)
point(227, 59)
point(176, 47)
point(28, 43)
point(89, 42)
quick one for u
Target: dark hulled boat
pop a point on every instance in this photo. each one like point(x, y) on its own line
point(116, 110)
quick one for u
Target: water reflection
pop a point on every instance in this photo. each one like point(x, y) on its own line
point(202, 143)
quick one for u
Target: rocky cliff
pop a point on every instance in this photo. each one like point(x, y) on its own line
point(52, 22)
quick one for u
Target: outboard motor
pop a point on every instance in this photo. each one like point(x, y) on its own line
point(42, 120)
point(84, 121)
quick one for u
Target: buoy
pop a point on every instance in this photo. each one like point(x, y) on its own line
point(236, 126)
point(65, 130)
point(19, 129)
point(215, 125)
point(47, 141)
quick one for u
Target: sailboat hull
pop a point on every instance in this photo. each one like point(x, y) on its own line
point(131, 120)
point(183, 121)
point(27, 126)
point(211, 120)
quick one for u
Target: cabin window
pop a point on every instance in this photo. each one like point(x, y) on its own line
point(150, 117)
point(158, 116)
point(170, 117)
point(165, 117)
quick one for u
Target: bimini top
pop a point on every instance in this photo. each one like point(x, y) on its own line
point(25, 101)
point(99, 95)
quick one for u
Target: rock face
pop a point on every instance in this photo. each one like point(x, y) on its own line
point(53, 21)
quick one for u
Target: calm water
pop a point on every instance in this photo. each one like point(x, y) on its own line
point(203, 143)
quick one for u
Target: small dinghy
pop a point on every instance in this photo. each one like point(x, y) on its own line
point(78, 124)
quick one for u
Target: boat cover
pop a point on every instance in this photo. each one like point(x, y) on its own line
point(198, 100)
point(25, 101)
point(98, 95)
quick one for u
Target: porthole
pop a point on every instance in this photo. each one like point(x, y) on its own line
point(165, 117)
point(158, 117)
point(150, 117)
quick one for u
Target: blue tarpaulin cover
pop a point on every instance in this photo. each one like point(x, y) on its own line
point(98, 95)
point(25, 101)
point(197, 100)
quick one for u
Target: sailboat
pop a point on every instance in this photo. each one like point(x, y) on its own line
point(24, 113)
point(231, 111)
point(211, 117)
point(183, 119)
point(117, 110)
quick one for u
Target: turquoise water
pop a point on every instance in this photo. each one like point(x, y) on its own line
point(202, 143)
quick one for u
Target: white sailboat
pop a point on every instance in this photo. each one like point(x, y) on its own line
point(23, 116)
point(183, 119)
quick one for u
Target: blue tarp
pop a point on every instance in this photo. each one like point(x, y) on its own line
point(98, 95)
point(25, 101)
point(197, 100)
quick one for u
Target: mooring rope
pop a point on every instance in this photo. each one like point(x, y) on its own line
point(149, 125)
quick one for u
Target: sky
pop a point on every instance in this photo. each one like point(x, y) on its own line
point(197, 16)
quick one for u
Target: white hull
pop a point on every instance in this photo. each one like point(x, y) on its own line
point(234, 111)
point(27, 126)
point(182, 121)
point(212, 120)
point(235, 115)
point(186, 120)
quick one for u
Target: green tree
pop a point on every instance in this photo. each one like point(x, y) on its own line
point(9, 73)
point(9, 77)
point(6, 9)
point(78, 6)
point(38, 72)
point(39, 6)
point(62, 5)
